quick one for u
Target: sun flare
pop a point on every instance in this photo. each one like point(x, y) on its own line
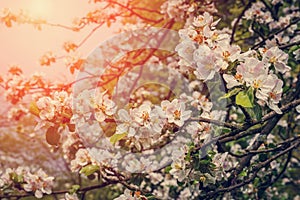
point(40, 8)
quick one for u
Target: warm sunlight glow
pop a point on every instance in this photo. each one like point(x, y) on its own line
point(40, 8)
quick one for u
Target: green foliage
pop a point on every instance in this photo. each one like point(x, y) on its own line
point(89, 169)
point(168, 169)
point(243, 173)
point(245, 98)
point(116, 137)
point(230, 93)
point(16, 178)
point(74, 189)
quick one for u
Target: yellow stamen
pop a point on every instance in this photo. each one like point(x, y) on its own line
point(145, 116)
point(257, 84)
point(177, 114)
point(202, 178)
point(238, 77)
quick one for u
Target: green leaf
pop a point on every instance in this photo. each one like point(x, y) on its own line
point(256, 182)
point(116, 137)
point(204, 162)
point(225, 130)
point(293, 48)
point(250, 93)
point(74, 189)
point(243, 174)
point(16, 178)
point(168, 169)
point(89, 169)
point(244, 99)
point(230, 93)
point(151, 198)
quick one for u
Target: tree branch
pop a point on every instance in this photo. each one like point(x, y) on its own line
point(238, 20)
point(84, 189)
point(255, 170)
point(270, 36)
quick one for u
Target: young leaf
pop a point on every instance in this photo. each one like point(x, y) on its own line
point(33, 109)
point(16, 178)
point(250, 93)
point(116, 137)
point(293, 48)
point(168, 169)
point(230, 94)
point(89, 169)
point(243, 173)
point(74, 189)
point(243, 99)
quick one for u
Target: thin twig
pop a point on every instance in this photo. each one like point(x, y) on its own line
point(238, 20)
point(213, 121)
point(255, 46)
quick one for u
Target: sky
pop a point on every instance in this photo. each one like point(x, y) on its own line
point(23, 45)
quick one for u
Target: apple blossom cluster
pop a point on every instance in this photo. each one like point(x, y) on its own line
point(82, 158)
point(182, 167)
point(183, 10)
point(92, 104)
point(16, 113)
point(129, 195)
point(54, 109)
point(47, 59)
point(107, 12)
point(22, 178)
point(17, 86)
point(177, 9)
point(145, 123)
point(183, 170)
point(141, 128)
point(70, 145)
point(208, 52)
point(261, 14)
point(205, 48)
point(87, 160)
point(258, 12)
point(105, 131)
point(7, 17)
point(254, 74)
